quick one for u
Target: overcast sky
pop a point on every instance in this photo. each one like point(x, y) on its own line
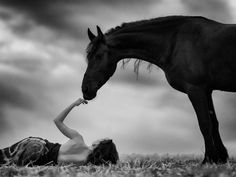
point(42, 62)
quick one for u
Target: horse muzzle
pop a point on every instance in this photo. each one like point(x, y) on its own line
point(89, 96)
point(89, 93)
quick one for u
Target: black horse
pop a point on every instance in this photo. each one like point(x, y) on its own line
point(198, 55)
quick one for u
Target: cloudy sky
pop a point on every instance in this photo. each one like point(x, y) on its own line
point(42, 62)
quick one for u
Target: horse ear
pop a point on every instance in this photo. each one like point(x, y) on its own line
point(90, 35)
point(100, 34)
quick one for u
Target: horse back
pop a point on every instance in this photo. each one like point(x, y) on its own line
point(205, 53)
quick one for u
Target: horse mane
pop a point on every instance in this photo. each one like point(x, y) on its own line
point(168, 20)
point(161, 21)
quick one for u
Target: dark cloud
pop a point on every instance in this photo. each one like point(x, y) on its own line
point(215, 9)
point(26, 64)
point(11, 98)
point(51, 14)
point(14, 97)
point(67, 16)
point(46, 12)
point(19, 26)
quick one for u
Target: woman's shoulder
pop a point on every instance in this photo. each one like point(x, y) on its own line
point(73, 151)
point(73, 145)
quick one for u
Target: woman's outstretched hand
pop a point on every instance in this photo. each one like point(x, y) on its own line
point(80, 101)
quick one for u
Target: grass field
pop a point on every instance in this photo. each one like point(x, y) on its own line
point(131, 166)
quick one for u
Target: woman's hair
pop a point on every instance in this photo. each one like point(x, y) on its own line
point(104, 152)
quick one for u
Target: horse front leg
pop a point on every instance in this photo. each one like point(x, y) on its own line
point(220, 148)
point(198, 98)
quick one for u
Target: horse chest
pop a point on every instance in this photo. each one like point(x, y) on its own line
point(175, 82)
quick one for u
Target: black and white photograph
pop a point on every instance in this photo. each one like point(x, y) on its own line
point(117, 88)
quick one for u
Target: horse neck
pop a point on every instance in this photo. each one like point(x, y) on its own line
point(147, 46)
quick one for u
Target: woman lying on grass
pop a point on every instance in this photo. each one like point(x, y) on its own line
point(37, 151)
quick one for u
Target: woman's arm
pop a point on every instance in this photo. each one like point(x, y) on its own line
point(68, 132)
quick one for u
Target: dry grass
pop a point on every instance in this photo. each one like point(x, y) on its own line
point(131, 166)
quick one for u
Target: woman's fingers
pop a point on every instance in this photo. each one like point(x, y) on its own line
point(81, 100)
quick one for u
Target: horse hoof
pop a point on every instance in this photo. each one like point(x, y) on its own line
point(223, 156)
point(207, 160)
point(221, 159)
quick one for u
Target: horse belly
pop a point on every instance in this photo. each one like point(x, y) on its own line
point(224, 80)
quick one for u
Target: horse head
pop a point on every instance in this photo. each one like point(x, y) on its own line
point(101, 64)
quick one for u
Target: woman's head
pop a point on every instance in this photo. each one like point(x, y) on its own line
point(103, 152)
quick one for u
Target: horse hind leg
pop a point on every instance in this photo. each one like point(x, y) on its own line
point(220, 148)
